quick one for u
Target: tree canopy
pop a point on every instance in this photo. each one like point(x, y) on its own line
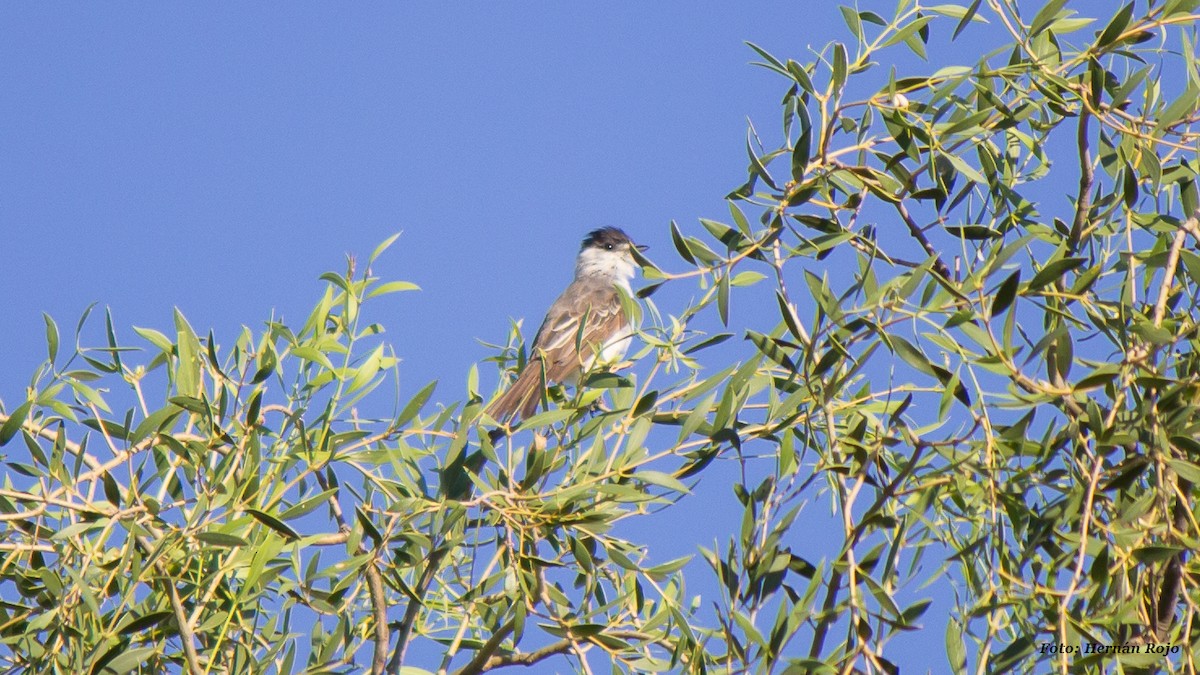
point(973, 340)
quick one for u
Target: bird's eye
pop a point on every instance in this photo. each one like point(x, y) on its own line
point(608, 247)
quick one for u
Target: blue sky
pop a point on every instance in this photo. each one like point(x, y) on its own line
point(218, 157)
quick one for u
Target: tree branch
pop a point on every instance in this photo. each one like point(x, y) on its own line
point(1172, 583)
point(383, 637)
point(1083, 203)
point(1164, 290)
point(919, 234)
point(186, 635)
point(379, 660)
point(433, 562)
point(484, 656)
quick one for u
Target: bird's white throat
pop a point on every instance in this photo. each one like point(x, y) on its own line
point(600, 264)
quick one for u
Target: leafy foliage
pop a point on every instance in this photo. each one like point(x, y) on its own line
point(983, 361)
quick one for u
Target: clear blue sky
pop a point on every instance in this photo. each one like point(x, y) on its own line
point(218, 157)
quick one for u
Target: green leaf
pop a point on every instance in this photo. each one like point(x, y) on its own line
point(1045, 16)
point(669, 567)
point(789, 317)
point(1116, 27)
point(757, 167)
point(392, 287)
point(707, 342)
point(274, 523)
point(952, 11)
point(910, 354)
point(336, 280)
point(221, 539)
point(645, 404)
point(153, 422)
point(415, 404)
point(108, 426)
point(662, 480)
point(723, 299)
point(51, 337)
point(850, 16)
point(127, 660)
point(840, 66)
point(187, 345)
point(956, 652)
point(112, 491)
point(267, 362)
point(254, 408)
point(723, 233)
point(968, 16)
point(1155, 554)
point(974, 232)
point(1186, 470)
point(909, 30)
point(680, 244)
point(308, 504)
point(803, 149)
point(369, 527)
point(771, 60)
point(800, 76)
point(382, 247)
point(748, 278)
point(1005, 294)
point(769, 347)
point(155, 338)
point(144, 621)
point(1054, 271)
point(13, 424)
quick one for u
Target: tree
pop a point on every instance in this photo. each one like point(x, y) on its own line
point(985, 362)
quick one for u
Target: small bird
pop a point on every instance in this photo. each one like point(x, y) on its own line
point(561, 351)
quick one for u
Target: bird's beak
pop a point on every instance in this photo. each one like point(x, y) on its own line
point(641, 247)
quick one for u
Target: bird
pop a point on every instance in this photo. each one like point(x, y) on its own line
point(561, 350)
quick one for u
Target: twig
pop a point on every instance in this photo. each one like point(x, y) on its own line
point(1172, 583)
point(1083, 203)
point(1077, 574)
point(918, 234)
point(379, 609)
point(1164, 611)
point(1164, 290)
point(186, 634)
point(528, 658)
point(379, 661)
point(433, 562)
point(484, 656)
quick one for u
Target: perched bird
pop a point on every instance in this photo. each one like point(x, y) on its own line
point(562, 351)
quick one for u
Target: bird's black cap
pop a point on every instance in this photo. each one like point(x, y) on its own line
point(608, 238)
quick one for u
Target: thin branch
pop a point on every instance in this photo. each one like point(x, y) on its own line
point(1083, 203)
point(1164, 290)
point(379, 661)
point(828, 614)
point(433, 562)
point(528, 658)
point(1172, 582)
point(186, 635)
point(484, 656)
point(919, 234)
point(1085, 525)
point(379, 608)
point(553, 649)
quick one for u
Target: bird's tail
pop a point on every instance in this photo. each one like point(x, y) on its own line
point(522, 397)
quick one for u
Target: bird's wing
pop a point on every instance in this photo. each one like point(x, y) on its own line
point(556, 356)
point(595, 307)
